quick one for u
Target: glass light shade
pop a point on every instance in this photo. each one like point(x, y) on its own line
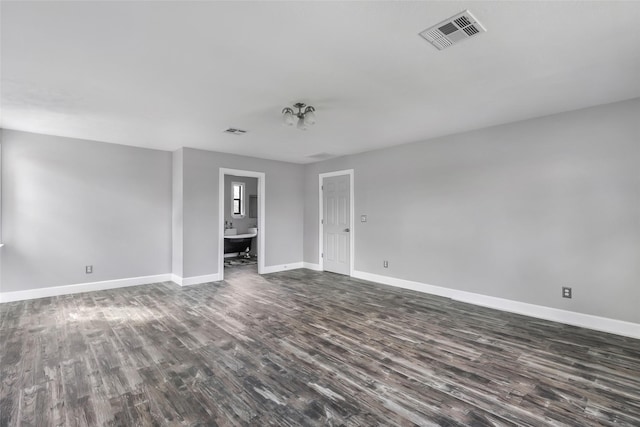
point(287, 118)
point(310, 118)
point(301, 125)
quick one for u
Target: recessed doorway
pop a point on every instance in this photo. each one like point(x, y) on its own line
point(241, 211)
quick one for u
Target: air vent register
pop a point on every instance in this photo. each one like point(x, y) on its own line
point(453, 30)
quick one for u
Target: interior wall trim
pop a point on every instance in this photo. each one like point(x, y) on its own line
point(262, 212)
point(123, 283)
point(82, 287)
point(312, 266)
point(283, 267)
point(195, 280)
point(603, 324)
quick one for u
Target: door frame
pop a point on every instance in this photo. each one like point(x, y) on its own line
point(351, 219)
point(261, 215)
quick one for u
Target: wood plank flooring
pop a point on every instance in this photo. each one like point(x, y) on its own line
point(303, 348)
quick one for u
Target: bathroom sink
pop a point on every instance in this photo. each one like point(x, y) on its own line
point(240, 236)
point(230, 231)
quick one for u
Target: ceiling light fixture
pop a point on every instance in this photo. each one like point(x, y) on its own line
point(306, 118)
point(234, 131)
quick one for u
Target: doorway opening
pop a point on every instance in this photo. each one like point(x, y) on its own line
point(241, 201)
point(336, 230)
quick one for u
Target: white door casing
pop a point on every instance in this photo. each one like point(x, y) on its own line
point(261, 250)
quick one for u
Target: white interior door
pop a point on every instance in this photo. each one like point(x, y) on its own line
point(336, 221)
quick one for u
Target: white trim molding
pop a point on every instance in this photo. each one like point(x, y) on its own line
point(195, 280)
point(261, 217)
point(352, 237)
point(283, 267)
point(312, 266)
point(82, 287)
point(604, 324)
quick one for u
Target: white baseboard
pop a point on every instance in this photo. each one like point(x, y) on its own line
point(81, 287)
point(597, 323)
point(195, 280)
point(282, 267)
point(311, 266)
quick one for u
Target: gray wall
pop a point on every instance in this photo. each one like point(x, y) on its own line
point(284, 207)
point(68, 203)
point(127, 211)
point(176, 214)
point(513, 211)
point(1, 240)
point(251, 188)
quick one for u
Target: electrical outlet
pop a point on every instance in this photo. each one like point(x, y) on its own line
point(385, 264)
point(88, 269)
point(566, 292)
point(363, 218)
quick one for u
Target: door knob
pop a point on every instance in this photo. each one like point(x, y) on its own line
point(346, 230)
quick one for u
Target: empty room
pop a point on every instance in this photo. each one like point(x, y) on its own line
point(320, 213)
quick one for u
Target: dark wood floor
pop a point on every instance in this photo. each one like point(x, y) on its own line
point(303, 348)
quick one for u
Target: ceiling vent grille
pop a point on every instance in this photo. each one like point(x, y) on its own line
point(453, 30)
point(234, 131)
point(321, 156)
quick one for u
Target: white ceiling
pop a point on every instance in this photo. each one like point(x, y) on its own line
point(172, 74)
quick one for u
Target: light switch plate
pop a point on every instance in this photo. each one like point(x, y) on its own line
point(363, 218)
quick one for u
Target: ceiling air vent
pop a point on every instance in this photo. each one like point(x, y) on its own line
point(234, 131)
point(453, 30)
point(321, 156)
